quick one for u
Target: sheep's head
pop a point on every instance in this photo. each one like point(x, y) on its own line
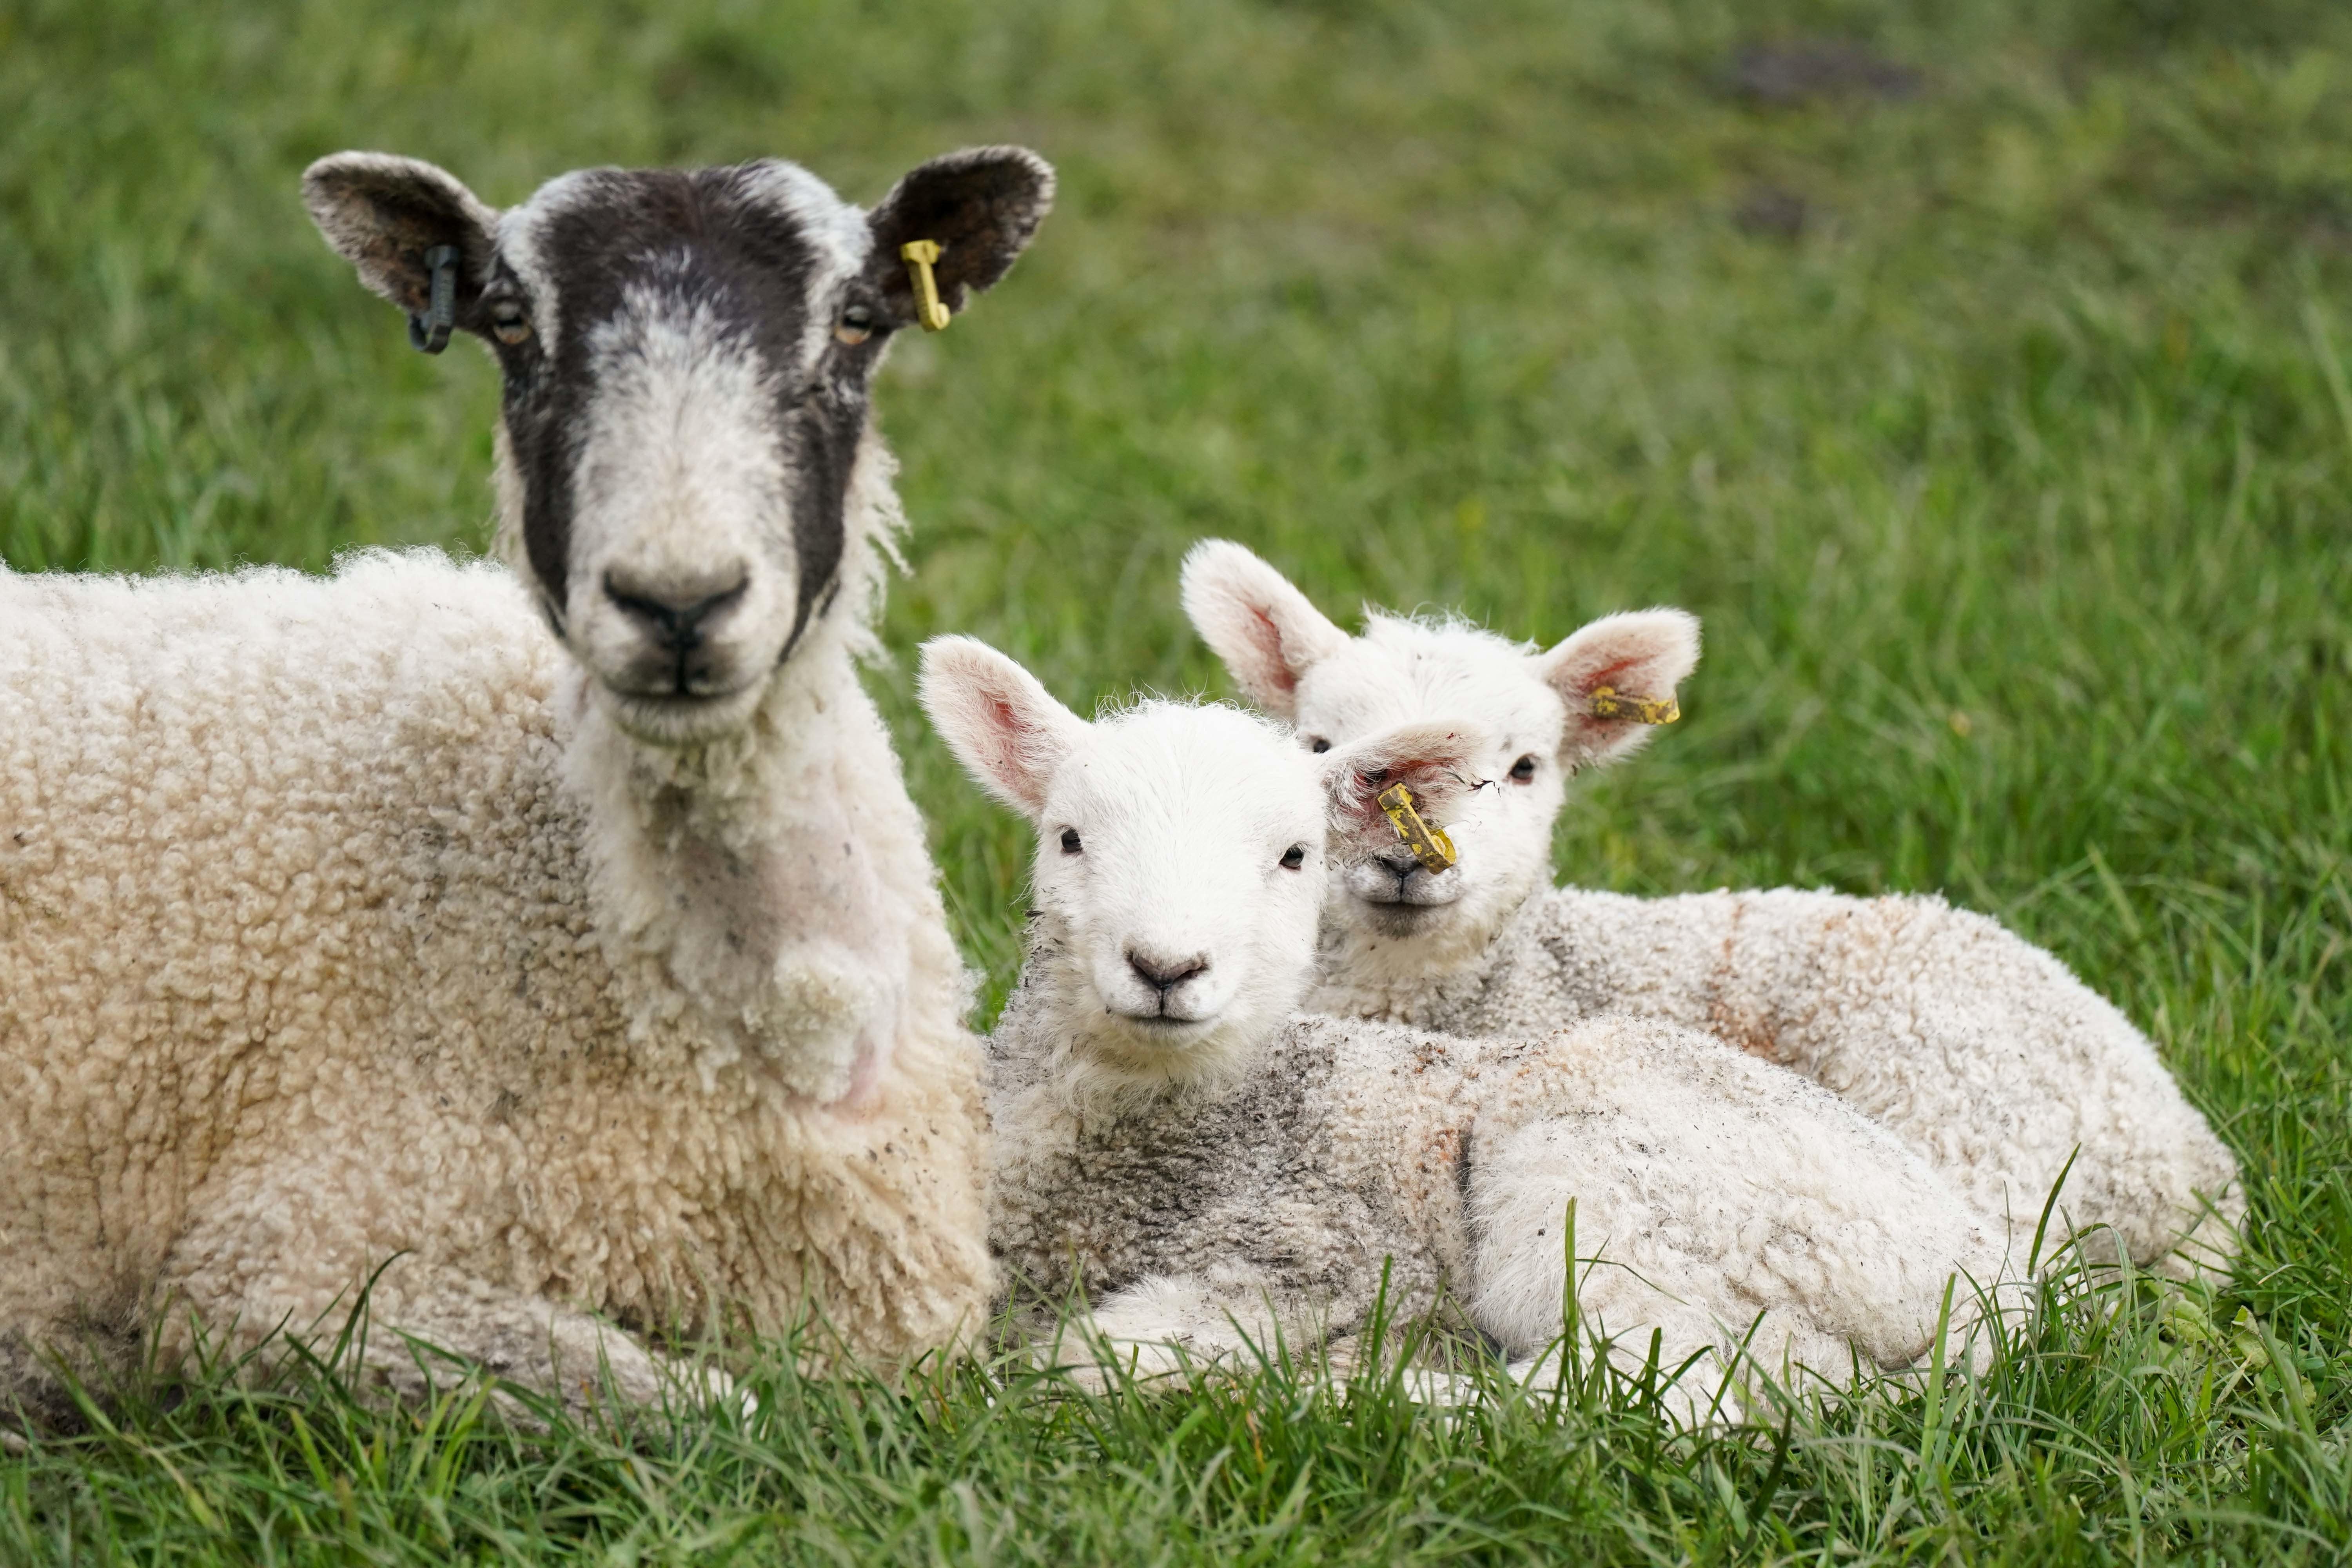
point(1533, 706)
point(686, 355)
point(1181, 855)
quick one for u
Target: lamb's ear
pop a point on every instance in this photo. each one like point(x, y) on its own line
point(382, 213)
point(1435, 761)
point(1264, 630)
point(1635, 654)
point(980, 207)
point(1003, 726)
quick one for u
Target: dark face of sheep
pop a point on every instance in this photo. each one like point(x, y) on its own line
point(687, 356)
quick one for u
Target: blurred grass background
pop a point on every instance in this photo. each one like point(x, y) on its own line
point(1979, 371)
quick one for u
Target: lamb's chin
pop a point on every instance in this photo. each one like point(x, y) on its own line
point(1162, 1041)
point(1133, 1053)
point(1399, 922)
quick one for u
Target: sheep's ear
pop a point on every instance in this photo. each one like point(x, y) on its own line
point(1636, 654)
point(382, 213)
point(1435, 761)
point(1264, 630)
point(1003, 726)
point(980, 207)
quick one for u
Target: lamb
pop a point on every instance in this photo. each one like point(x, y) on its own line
point(594, 986)
point(1981, 1051)
point(1212, 1168)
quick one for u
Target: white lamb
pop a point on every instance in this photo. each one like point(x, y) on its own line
point(1980, 1049)
point(586, 977)
point(1212, 1168)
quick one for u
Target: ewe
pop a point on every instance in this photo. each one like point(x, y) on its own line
point(1978, 1048)
point(593, 976)
point(1216, 1167)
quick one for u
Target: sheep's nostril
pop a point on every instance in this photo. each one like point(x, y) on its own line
point(1401, 863)
point(1165, 975)
point(674, 616)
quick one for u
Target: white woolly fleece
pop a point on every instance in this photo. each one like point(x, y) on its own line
point(1708, 1188)
point(337, 922)
point(1979, 1048)
point(1981, 1051)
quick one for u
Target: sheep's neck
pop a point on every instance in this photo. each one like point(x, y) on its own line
point(746, 871)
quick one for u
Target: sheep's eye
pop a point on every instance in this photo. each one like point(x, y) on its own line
point(1070, 844)
point(1317, 743)
point(857, 325)
point(509, 324)
point(1524, 770)
point(1294, 857)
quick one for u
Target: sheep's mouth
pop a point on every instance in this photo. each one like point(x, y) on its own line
point(1374, 884)
point(680, 715)
point(1160, 1028)
point(680, 699)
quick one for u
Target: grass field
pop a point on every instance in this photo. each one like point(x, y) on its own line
point(1997, 420)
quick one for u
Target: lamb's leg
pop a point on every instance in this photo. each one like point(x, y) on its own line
point(1161, 1326)
point(1712, 1189)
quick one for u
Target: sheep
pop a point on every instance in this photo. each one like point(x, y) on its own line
point(1212, 1168)
point(1982, 1050)
point(560, 942)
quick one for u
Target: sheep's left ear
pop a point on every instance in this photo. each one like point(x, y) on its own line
point(1436, 760)
point(383, 214)
point(1268, 634)
point(1002, 725)
point(980, 207)
point(1636, 654)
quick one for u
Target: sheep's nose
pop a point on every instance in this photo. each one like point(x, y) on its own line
point(674, 614)
point(1165, 975)
point(1400, 862)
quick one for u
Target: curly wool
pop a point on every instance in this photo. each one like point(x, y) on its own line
point(315, 951)
point(1981, 1051)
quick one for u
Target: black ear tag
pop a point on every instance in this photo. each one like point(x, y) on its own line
point(429, 334)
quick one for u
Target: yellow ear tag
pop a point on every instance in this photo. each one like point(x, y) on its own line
point(919, 255)
point(1608, 704)
point(1428, 845)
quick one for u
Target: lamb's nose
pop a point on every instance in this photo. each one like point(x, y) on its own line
point(1163, 974)
point(674, 614)
point(1401, 863)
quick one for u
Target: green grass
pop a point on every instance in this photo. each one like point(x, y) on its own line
point(2015, 491)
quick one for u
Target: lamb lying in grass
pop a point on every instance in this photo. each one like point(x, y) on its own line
point(1213, 1168)
point(1979, 1048)
point(583, 983)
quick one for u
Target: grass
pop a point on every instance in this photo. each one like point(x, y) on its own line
point(2013, 484)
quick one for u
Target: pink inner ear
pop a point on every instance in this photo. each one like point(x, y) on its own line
point(1434, 779)
point(1269, 641)
point(1015, 741)
point(1607, 676)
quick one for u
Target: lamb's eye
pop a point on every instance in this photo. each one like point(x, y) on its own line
point(1070, 844)
point(857, 325)
point(1317, 743)
point(1294, 857)
point(510, 323)
point(1524, 770)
